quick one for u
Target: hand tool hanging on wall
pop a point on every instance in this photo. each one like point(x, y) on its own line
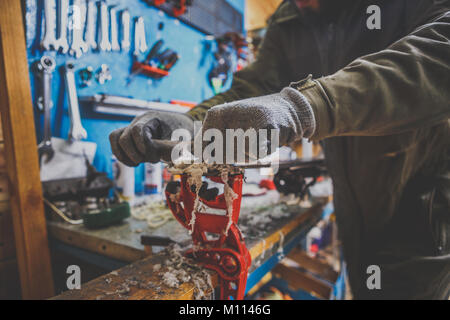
point(140, 42)
point(46, 66)
point(62, 41)
point(86, 75)
point(124, 106)
point(104, 43)
point(157, 63)
point(167, 59)
point(91, 24)
point(227, 45)
point(77, 132)
point(125, 21)
point(78, 45)
point(227, 253)
point(49, 40)
point(179, 7)
point(114, 30)
point(152, 53)
point(103, 74)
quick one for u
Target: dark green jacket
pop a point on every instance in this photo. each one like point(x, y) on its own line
point(382, 105)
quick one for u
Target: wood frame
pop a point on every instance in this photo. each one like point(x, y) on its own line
point(257, 13)
point(22, 166)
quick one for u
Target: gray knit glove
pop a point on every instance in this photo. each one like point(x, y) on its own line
point(289, 111)
point(147, 138)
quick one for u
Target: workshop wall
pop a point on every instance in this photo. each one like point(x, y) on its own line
point(187, 80)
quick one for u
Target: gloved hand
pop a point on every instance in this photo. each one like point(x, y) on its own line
point(146, 139)
point(289, 111)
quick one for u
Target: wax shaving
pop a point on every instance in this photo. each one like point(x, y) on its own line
point(255, 222)
point(170, 280)
point(230, 196)
point(195, 173)
point(178, 270)
point(156, 267)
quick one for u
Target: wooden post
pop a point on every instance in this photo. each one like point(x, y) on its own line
point(22, 167)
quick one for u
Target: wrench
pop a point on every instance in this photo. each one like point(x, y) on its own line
point(114, 30)
point(61, 42)
point(49, 40)
point(105, 44)
point(140, 43)
point(46, 66)
point(77, 132)
point(79, 18)
point(125, 43)
point(91, 24)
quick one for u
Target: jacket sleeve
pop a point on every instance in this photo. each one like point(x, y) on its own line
point(403, 87)
point(263, 76)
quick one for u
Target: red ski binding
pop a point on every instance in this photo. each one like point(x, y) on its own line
point(226, 253)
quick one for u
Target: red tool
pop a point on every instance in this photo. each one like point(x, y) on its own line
point(227, 253)
point(179, 8)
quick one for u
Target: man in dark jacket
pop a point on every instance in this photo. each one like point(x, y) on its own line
point(379, 102)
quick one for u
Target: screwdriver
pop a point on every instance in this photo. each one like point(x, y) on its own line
point(152, 53)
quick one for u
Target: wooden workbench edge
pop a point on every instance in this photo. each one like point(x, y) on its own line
point(111, 285)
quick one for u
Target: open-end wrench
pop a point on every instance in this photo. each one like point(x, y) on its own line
point(91, 24)
point(125, 21)
point(46, 66)
point(114, 30)
point(77, 132)
point(140, 43)
point(62, 42)
point(78, 45)
point(105, 44)
point(49, 39)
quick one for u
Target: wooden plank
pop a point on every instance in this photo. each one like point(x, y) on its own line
point(21, 156)
point(9, 280)
point(7, 247)
point(300, 280)
point(1, 130)
point(4, 187)
point(315, 266)
point(146, 284)
point(122, 241)
point(95, 244)
point(142, 271)
point(2, 157)
point(267, 277)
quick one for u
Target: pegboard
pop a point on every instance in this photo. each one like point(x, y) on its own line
point(211, 17)
point(187, 80)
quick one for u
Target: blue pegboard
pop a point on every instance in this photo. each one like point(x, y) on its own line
point(187, 80)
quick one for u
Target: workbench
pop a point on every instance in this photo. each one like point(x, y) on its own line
point(122, 243)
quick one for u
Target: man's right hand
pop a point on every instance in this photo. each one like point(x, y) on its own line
point(145, 139)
